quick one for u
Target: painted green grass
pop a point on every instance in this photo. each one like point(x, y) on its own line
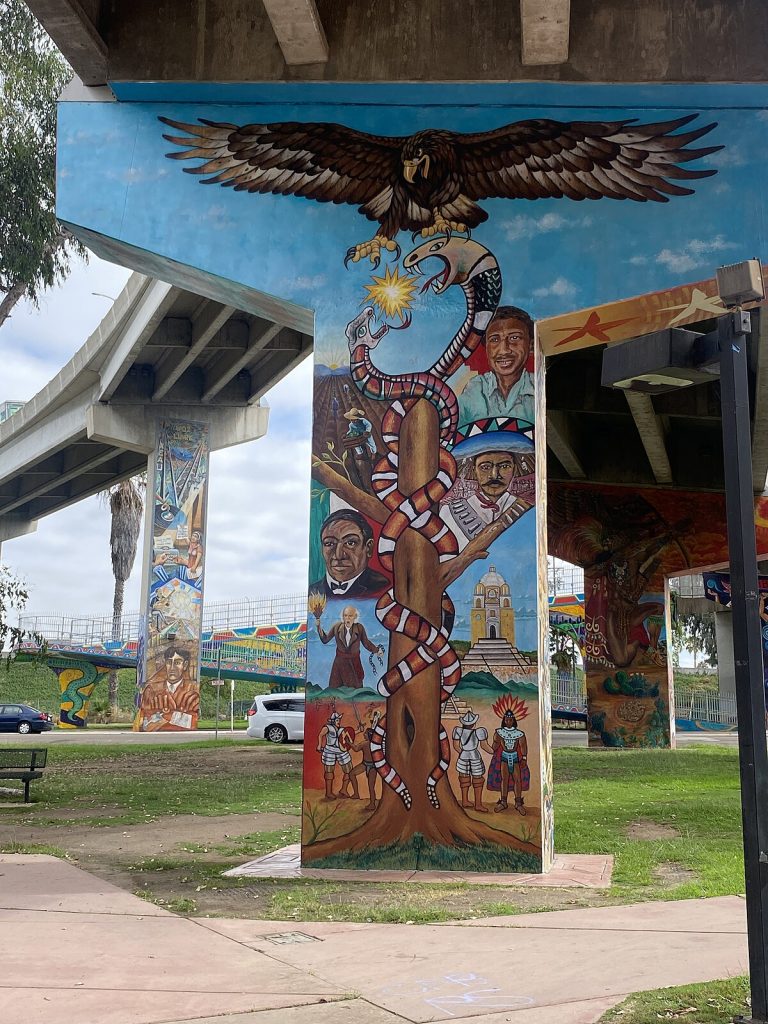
point(713, 1002)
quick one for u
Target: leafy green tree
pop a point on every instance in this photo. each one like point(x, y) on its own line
point(36, 250)
point(696, 632)
point(13, 598)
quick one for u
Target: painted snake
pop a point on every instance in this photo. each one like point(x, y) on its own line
point(472, 267)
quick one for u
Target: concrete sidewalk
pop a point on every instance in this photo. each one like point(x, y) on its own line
point(76, 950)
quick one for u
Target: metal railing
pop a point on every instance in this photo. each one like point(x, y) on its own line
point(687, 586)
point(564, 578)
point(705, 706)
point(568, 691)
point(85, 630)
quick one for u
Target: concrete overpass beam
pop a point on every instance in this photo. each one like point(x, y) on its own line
point(73, 29)
point(135, 426)
point(651, 434)
point(299, 30)
point(545, 28)
point(209, 321)
point(15, 526)
point(558, 439)
point(226, 368)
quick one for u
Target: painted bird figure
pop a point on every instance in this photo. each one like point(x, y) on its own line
point(431, 182)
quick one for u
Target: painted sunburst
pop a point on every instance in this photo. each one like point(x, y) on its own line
point(392, 294)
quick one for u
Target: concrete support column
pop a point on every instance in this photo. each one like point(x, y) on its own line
point(726, 670)
point(427, 544)
point(629, 678)
point(168, 659)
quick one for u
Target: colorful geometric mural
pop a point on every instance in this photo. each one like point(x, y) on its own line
point(168, 669)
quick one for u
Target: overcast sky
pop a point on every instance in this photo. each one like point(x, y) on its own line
point(258, 511)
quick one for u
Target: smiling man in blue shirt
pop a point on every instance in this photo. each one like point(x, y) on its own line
point(508, 389)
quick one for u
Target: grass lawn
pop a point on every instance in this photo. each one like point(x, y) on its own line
point(670, 818)
point(712, 1002)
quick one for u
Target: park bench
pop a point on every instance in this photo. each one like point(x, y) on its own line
point(18, 763)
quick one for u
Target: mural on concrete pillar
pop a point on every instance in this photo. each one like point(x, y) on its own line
point(77, 681)
point(427, 720)
point(168, 680)
point(717, 587)
point(629, 542)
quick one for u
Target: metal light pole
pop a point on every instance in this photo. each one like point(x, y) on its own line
point(747, 647)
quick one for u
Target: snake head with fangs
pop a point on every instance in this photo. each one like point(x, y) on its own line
point(358, 331)
point(462, 259)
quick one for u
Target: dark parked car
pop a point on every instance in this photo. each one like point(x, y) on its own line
point(22, 718)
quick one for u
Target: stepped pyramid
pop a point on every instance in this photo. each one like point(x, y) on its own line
point(497, 656)
point(454, 707)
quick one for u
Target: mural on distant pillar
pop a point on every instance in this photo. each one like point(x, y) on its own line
point(717, 587)
point(77, 681)
point(168, 697)
point(423, 458)
point(628, 543)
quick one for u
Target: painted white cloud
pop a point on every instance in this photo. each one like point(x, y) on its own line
point(695, 253)
point(523, 227)
point(561, 287)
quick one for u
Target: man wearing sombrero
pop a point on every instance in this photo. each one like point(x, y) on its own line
point(467, 741)
point(495, 479)
point(360, 430)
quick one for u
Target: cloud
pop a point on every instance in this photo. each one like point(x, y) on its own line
point(523, 227)
point(694, 253)
point(560, 287)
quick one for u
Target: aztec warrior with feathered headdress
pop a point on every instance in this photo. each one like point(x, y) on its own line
point(509, 756)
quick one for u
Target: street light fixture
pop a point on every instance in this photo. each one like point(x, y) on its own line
point(631, 366)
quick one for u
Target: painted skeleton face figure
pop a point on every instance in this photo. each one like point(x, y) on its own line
point(508, 345)
point(494, 472)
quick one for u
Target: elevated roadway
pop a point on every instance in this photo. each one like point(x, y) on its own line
point(160, 351)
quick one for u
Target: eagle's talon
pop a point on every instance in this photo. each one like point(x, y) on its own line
point(372, 249)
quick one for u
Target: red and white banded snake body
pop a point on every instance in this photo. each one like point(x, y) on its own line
point(473, 268)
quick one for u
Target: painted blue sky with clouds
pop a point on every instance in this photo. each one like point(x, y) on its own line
point(556, 254)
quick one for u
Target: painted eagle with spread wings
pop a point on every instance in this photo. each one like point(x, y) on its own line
point(430, 182)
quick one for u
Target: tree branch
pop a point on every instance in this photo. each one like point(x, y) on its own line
point(357, 498)
point(478, 546)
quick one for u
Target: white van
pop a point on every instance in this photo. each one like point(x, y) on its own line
point(277, 717)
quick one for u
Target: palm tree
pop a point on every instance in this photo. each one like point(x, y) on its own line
point(126, 505)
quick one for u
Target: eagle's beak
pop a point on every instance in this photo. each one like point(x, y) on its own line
point(410, 167)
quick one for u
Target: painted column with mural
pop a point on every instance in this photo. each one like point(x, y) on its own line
point(168, 659)
point(393, 214)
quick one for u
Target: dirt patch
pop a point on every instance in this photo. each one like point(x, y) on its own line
point(651, 830)
point(670, 873)
point(130, 843)
point(184, 760)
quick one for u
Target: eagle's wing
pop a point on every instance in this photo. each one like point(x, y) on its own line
point(326, 162)
point(580, 160)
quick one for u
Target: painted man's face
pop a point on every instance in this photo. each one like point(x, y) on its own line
point(349, 616)
point(508, 345)
point(345, 550)
point(175, 667)
point(494, 472)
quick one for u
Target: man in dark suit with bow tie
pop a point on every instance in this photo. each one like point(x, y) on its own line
point(347, 542)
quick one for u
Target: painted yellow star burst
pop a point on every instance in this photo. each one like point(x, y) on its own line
point(392, 294)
